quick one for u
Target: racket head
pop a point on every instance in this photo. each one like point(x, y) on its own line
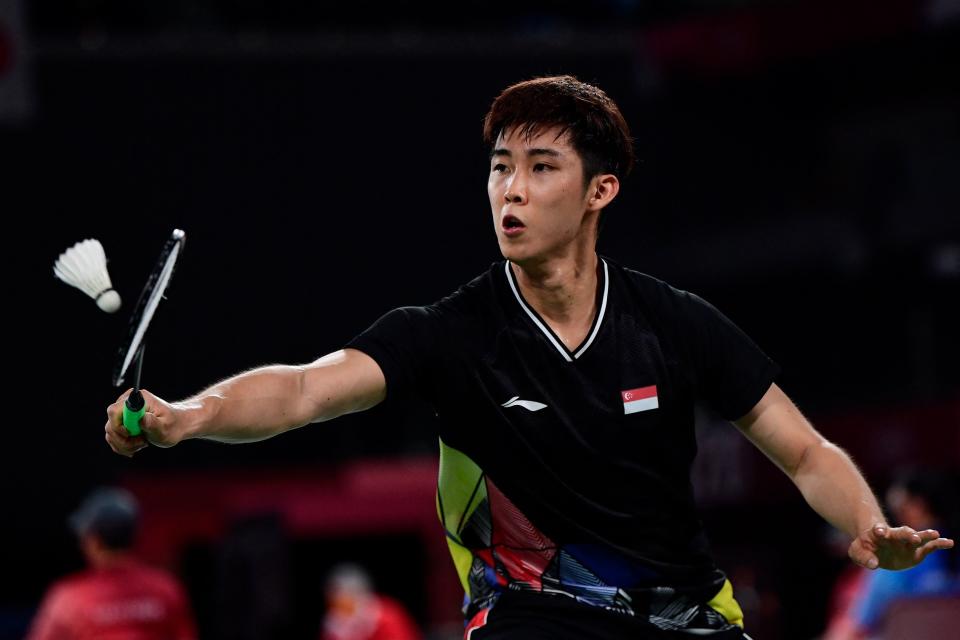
point(153, 291)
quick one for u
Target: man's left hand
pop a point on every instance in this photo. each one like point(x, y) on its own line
point(895, 548)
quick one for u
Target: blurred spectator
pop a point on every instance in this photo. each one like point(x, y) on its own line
point(356, 612)
point(916, 499)
point(117, 596)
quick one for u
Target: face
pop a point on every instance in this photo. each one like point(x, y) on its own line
point(342, 603)
point(908, 509)
point(537, 196)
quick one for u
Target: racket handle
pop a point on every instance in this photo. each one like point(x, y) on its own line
point(133, 409)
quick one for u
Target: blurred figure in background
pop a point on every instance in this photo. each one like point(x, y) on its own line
point(117, 596)
point(356, 612)
point(920, 500)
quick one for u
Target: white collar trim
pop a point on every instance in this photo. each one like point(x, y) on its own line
point(567, 355)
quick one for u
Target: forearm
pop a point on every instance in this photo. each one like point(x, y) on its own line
point(265, 402)
point(255, 405)
point(251, 406)
point(834, 487)
point(828, 479)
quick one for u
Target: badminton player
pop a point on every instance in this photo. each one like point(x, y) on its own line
point(565, 385)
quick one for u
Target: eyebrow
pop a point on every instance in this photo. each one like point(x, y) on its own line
point(553, 153)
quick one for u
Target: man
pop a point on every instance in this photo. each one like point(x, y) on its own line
point(118, 596)
point(565, 387)
point(356, 612)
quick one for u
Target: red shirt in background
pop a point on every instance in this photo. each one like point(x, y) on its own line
point(381, 618)
point(130, 601)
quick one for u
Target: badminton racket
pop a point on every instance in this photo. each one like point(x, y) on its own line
point(130, 355)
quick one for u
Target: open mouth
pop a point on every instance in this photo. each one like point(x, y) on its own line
point(512, 224)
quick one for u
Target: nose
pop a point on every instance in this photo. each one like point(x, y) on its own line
point(515, 193)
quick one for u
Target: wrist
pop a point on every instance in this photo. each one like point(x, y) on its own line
point(197, 417)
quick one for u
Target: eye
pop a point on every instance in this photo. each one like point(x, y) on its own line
point(540, 167)
point(499, 168)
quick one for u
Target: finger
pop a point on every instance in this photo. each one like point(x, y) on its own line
point(116, 428)
point(156, 430)
point(149, 399)
point(124, 447)
point(904, 535)
point(115, 448)
point(128, 452)
point(123, 396)
point(110, 427)
point(928, 534)
point(879, 533)
point(863, 556)
point(115, 410)
point(118, 437)
point(149, 422)
point(927, 549)
point(123, 440)
point(935, 545)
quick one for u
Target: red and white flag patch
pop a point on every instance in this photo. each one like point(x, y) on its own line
point(639, 399)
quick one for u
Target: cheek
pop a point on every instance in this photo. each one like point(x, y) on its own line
point(569, 208)
point(493, 189)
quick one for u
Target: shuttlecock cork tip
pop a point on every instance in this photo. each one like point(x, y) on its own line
point(109, 301)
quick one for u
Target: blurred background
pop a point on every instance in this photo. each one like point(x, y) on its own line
point(799, 168)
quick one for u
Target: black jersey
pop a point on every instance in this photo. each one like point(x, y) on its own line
point(569, 471)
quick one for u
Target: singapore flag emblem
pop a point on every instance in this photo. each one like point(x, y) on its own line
point(639, 399)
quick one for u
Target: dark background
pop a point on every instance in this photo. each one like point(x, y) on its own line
point(799, 168)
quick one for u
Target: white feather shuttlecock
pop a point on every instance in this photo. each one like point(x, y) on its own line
point(84, 266)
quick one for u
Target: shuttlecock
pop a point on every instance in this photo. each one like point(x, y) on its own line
point(84, 266)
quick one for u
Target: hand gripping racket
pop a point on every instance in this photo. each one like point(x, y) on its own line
point(131, 352)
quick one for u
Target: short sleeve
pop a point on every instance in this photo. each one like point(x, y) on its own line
point(730, 371)
point(49, 622)
point(406, 343)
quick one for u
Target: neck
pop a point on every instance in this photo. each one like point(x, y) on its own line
point(561, 289)
point(107, 559)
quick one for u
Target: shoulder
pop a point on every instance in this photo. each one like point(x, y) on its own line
point(673, 313)
point(475, 294)
point(642, 282)
point(453, 315)
point(391, 610)
point(70, 586)
point(389, 604)
point(651, 295)
point(66, 596)
point(471, 301)
point(160, 581)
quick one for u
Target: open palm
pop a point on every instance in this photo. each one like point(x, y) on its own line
point(895, 548)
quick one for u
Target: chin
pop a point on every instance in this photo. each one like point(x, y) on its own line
point(511, 251)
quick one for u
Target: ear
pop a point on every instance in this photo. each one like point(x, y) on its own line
point(603, 189)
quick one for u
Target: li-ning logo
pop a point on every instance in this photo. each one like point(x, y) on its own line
point(529, 405)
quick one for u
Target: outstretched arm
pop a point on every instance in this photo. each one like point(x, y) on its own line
point(256, 405)
point(831, 484)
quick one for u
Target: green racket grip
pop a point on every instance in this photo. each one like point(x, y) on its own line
point(133, 409)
